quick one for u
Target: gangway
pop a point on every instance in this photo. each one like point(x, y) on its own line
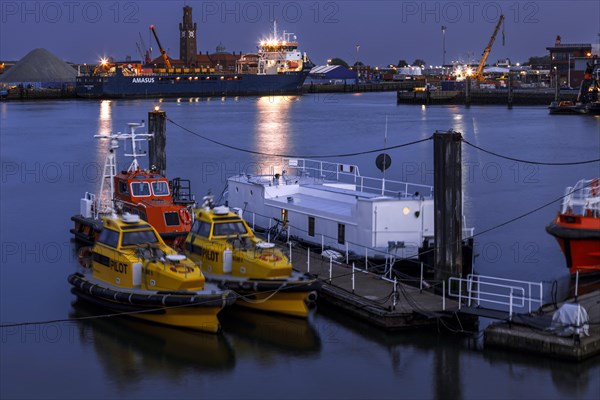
point(476, 290)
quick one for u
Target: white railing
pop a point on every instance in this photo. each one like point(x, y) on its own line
point(348, 173)
point(502, 291)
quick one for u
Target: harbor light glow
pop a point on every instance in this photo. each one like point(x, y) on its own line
point(405, 210)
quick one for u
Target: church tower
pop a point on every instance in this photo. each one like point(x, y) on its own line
point(187, 38)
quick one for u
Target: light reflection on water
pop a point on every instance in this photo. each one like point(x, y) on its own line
point(330, 355)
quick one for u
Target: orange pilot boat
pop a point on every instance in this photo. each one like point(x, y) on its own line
point(165, 205)
point(577, 227)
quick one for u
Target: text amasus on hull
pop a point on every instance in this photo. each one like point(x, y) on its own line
point(278, 67)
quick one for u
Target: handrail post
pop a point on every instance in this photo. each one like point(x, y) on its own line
point(346, 252)
point(541, 294)
point(470, 288)
point(290, 244)
point(308, 261)
point(576, 284)
point(394, 296)
point(322, 243)
point(421, 280)
point(444, 296)
point(352, 277)
point(510, 306)
point(330, 267)
point(253, 219)
point(459, 295)
point(366, 259)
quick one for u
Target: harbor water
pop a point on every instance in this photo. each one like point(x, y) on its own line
point(49, 159)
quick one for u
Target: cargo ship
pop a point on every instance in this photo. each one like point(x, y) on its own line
point(278, 67)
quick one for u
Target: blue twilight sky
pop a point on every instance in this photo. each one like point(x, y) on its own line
point(386, 31)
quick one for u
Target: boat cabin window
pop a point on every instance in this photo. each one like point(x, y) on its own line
point(109, 237)
point(311, 226)
point(139, 237)
point(140, 189)
point(341, 233)
point(201, 228)
point(229, 228)
point(160, 188)
point(123, 188)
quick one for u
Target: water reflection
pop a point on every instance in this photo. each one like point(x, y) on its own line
point(132, 351)
point(255, 332)
point(272, 129)
point(411, 349)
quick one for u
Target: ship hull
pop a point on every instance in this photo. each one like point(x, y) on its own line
point(579, 241)
point(201, 85)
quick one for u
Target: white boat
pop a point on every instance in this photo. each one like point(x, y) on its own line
point(331, 205)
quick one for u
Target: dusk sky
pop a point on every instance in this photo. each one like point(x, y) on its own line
point(82, 31)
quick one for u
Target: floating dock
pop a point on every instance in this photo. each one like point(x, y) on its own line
point(374, 298)
point(530, 334)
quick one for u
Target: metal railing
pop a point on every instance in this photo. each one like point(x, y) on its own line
point(512, 293)
point(348, 173)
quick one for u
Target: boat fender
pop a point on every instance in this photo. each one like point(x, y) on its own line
point(227, 261)
point(85, 257)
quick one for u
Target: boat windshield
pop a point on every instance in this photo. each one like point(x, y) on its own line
point(138, 237)
point(229, 228)
point(140, 189)
point(160, 188)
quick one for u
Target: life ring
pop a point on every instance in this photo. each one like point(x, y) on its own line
point(185, 216)
point(595, 187)
point(85, 257)
point(269, 257)
point(182, 269)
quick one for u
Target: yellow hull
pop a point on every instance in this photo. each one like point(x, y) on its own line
point(287, 303)
point(196, 318)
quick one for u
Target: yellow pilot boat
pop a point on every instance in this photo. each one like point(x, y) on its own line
point(228, 252)
point(133, 271)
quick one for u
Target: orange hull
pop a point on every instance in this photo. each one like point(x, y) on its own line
point(579, 240)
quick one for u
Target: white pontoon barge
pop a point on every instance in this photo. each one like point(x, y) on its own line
point(332, 205)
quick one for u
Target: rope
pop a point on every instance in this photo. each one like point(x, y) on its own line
point(298, 156)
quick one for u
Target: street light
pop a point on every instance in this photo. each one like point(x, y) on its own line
point(443, 45)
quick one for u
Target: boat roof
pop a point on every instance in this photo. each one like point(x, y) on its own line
point(211, 216)
point(118, 224)
point(314, 204)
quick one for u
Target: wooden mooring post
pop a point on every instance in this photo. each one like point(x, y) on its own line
point(447, 187)
point(157, 155)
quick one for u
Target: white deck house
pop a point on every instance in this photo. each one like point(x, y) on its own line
point(332, 205)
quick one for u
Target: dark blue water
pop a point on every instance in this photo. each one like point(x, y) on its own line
point(50, 158)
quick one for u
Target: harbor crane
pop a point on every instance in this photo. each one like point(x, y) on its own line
point(479, 72)
point(163, 53)
point(146, 51)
